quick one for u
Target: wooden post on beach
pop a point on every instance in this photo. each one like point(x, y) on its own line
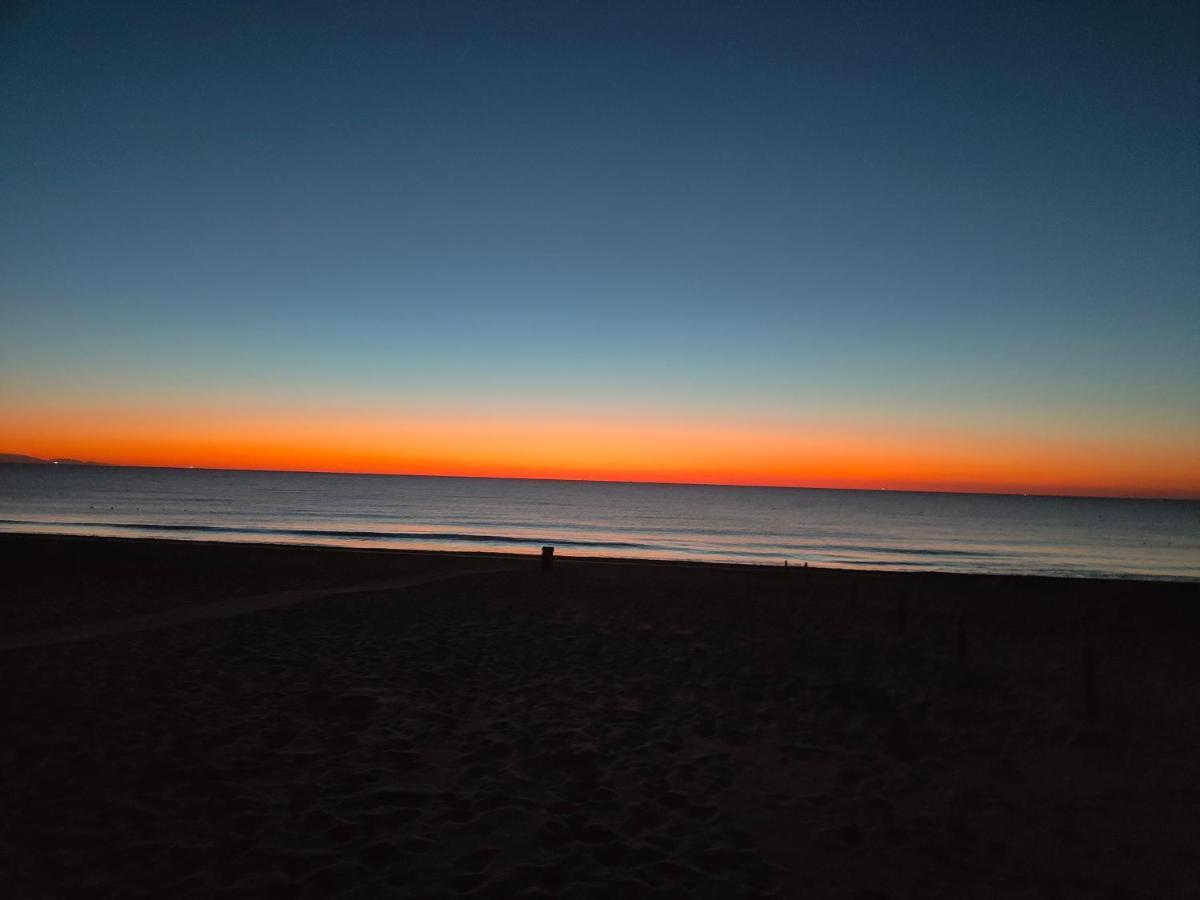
point(547, 559)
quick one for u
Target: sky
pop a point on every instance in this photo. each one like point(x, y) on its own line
point(945, 246)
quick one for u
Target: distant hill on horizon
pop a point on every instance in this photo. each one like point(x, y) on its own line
point(23, 459)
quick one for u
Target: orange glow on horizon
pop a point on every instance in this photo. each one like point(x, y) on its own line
point(833, 455)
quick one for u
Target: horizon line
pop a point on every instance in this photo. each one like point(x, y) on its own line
point(73, 463)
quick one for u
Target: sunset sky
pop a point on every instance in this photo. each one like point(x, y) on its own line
point(946, 246)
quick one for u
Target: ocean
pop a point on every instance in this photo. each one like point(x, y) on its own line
point(909, 531)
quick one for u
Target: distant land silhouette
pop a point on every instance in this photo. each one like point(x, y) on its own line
point(22, 459)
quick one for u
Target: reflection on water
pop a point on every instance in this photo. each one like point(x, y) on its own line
point(859, 529)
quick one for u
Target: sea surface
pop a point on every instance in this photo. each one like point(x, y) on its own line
point(984, 533)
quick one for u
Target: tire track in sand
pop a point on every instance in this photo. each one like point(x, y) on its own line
point(221, 609)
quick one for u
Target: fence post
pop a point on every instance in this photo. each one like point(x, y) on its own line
point(547, 558)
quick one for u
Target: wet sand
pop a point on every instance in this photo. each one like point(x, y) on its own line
point(196, 720)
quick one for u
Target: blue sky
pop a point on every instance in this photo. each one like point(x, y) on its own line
point(963, 211)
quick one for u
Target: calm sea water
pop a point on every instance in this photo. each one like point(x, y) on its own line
point(855, 529)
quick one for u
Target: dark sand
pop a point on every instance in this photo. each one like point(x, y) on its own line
point(604, 729)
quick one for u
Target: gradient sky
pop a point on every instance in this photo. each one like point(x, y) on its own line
point(940, 245)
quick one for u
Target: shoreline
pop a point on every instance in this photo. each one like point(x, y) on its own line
point(570, 557)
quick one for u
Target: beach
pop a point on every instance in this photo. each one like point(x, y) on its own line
point(192, 719)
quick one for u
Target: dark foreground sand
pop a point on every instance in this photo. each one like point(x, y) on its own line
point(604, 729)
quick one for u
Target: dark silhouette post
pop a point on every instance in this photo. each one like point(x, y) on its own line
point(547, 559)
